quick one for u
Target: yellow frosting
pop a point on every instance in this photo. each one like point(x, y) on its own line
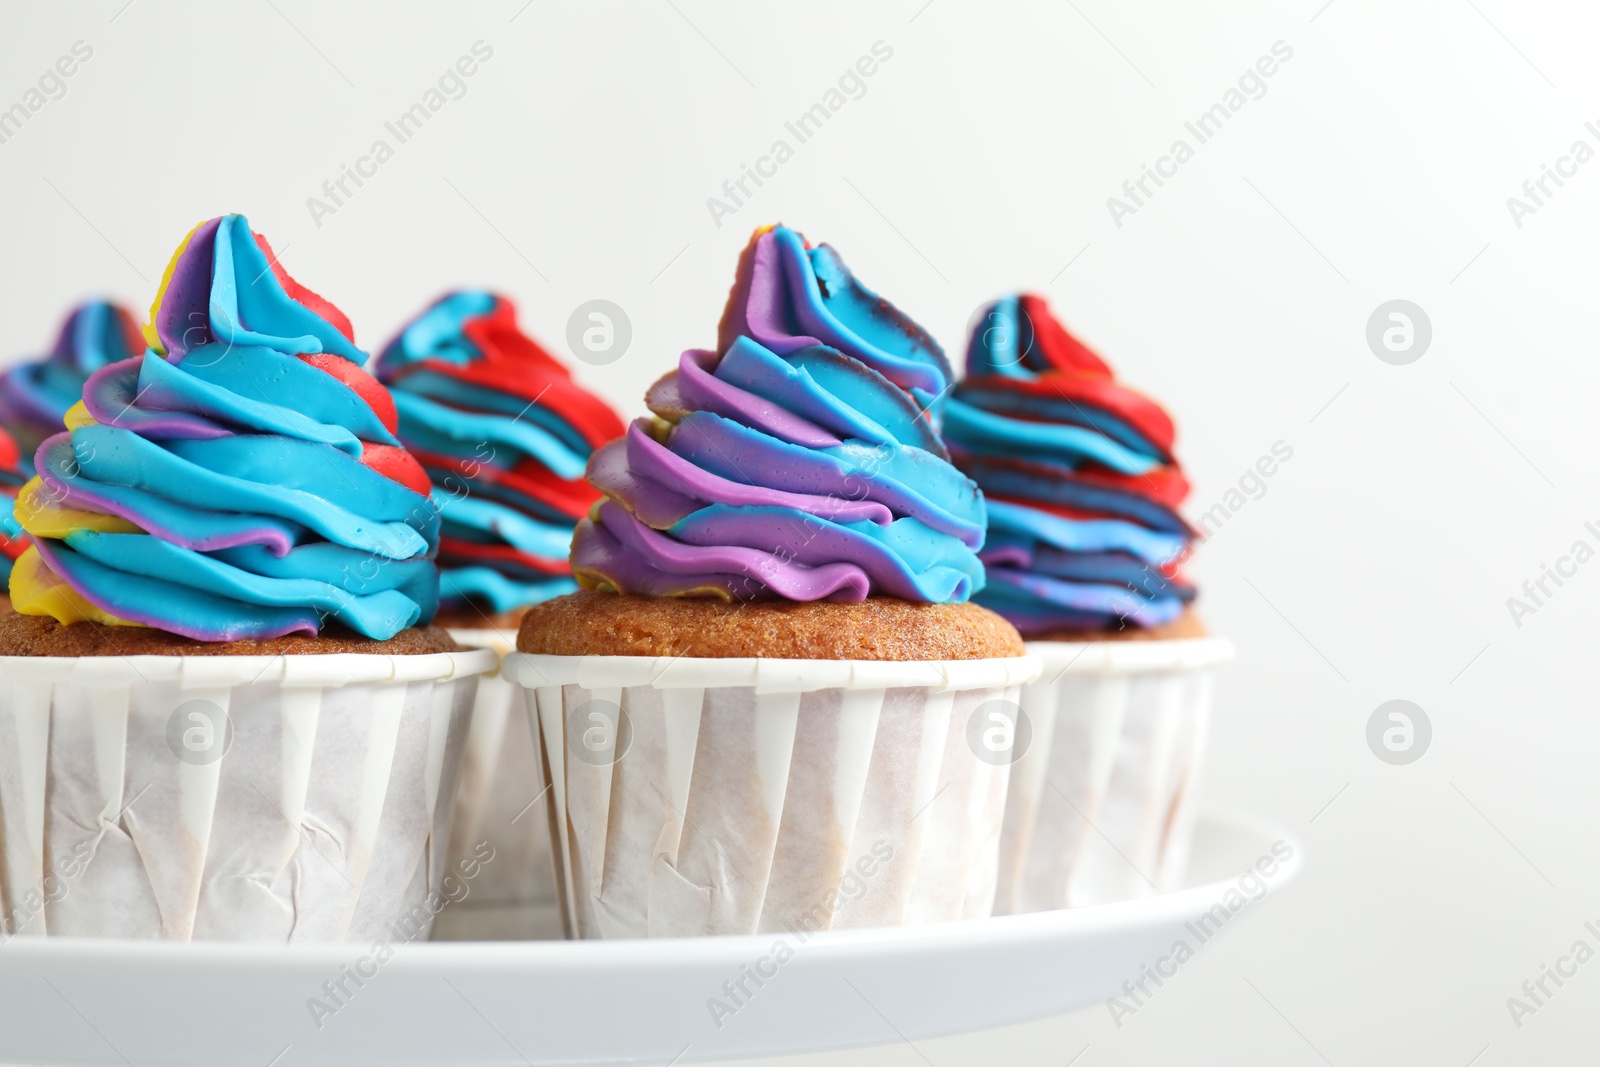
point(152, 338)
point(78, 415)
point(35, 590)
point(42, 515)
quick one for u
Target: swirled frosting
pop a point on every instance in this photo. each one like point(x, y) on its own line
point(796, 462)
point(11, 477)
point(1079, 475)
point(35, 396)
point(240, 479)
point(505, 434)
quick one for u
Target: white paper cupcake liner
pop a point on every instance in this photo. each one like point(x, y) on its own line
point(1101, 803)
point(263, 798)
point(755, 795)
point(501, 785)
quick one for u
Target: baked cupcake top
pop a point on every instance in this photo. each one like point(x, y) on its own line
point(796, 462)
point(505, 434)
point(240, 479)
point(35, 396)
point(1079, 475)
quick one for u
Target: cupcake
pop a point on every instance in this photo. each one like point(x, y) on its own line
point(222, 712)
point(35, 396)
point(773, 706)
point(1084, 554)
point(504, 434)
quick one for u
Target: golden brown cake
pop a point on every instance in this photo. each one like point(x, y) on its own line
point(594, 623)
point(40, 635)
point(1185, 626)
point(470, 618)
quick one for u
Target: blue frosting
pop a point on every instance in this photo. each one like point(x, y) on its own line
point(798, 462)
point(506, 435)
point(1078, 475)
point(227, 490)
point(35, 396)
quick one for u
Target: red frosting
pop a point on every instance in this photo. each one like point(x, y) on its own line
point(1060, 349)
point(530, 477)
point(397, 465)
point(514, 363)
point(365, 385)
point(393, 463)
point(10, 460)
point(301, 295)
point(10, 454)
point(1075, 373)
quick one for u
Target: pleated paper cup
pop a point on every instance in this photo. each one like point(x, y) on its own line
point(1101, 802)
point(502, 792)
point(233, 798)
point(738, 796)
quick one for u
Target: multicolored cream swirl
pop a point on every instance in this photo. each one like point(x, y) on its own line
point(241, 479)
point(797, 462)
point(11, 478)
point(35, 396)
point(1078, 472)
point(504, 433)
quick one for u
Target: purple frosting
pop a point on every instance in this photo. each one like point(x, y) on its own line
point(799, 461)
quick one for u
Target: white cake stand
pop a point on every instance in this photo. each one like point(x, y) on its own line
point(90, 1003)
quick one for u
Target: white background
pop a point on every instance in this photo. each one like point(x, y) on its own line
point(1377, 564)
